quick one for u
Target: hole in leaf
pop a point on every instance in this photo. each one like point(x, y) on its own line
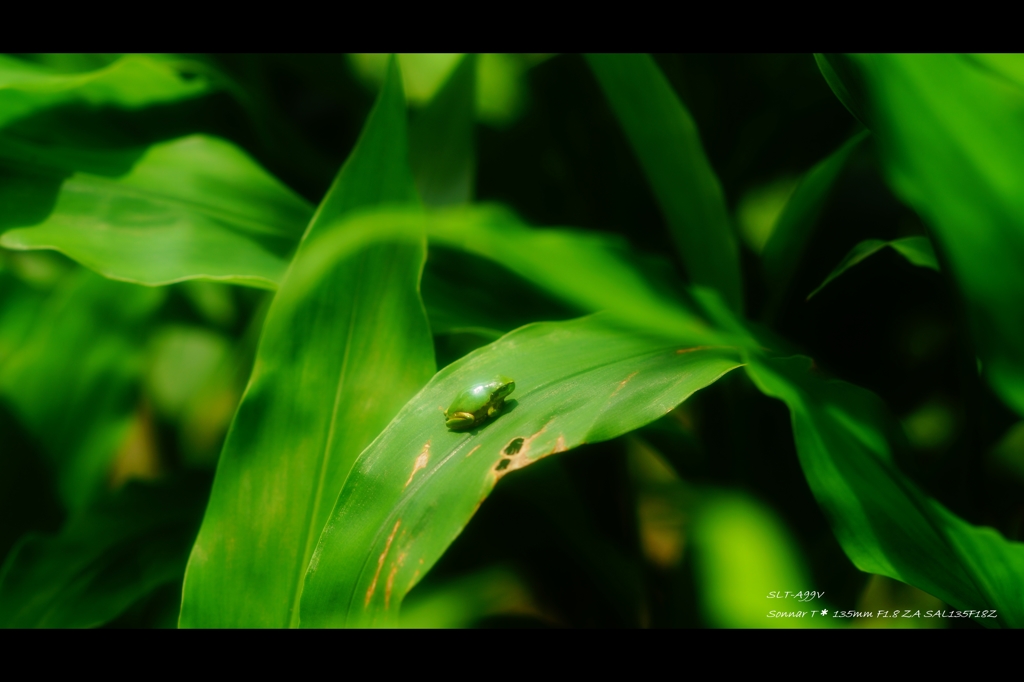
point(514, 447)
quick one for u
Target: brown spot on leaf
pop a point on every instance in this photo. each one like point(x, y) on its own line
point(690, 350)
point(412, 583)
point(391, 580)
point(420, 463)
point(472, 451)
point(522, 455)
point(622, 384)
point(380, 563)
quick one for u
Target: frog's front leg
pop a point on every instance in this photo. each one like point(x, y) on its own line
point(496, 407)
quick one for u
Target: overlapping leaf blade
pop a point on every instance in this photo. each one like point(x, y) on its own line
point(953, 148)
point(193, 208)
point(129, 82)
point(844, 79)
point(587, 271)
point(335, 363)
point(793, 229)
point(845, 439)
point(441, 140)
point(666, 141)
point(917, 250)
point(417, 485)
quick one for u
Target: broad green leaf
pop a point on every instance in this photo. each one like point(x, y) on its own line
point(586, 271)
point(193, 208)
point(417, 485)
point(844, 79)
point(73, 379)
point(917, 250)
point(952, 144)
point(1008, 66)
point(793, 229)
point(106, 557)
point(441, 140)
point(336, 361)
point(666, 141)
point(131, 82)
point(846, 440)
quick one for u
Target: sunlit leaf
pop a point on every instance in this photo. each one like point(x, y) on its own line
point(952, 145)
point(197, 207)
point(107, 557)
point(586, 271)
point(917, 250)
point(1008, 66)
point(130, 82)
point(846, 441)
point(665, 139)
point(335, 363)
point(417, 485)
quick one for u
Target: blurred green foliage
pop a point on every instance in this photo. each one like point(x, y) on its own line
point(238, 291)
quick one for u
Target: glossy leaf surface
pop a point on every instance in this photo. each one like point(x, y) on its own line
point(846, 440)
point(193, 208)
point(336, 361)
point(417, 485)
point(665, 140)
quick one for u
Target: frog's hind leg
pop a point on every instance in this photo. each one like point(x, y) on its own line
point(460, 420)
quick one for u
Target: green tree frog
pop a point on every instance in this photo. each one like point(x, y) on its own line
point(478, 402)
